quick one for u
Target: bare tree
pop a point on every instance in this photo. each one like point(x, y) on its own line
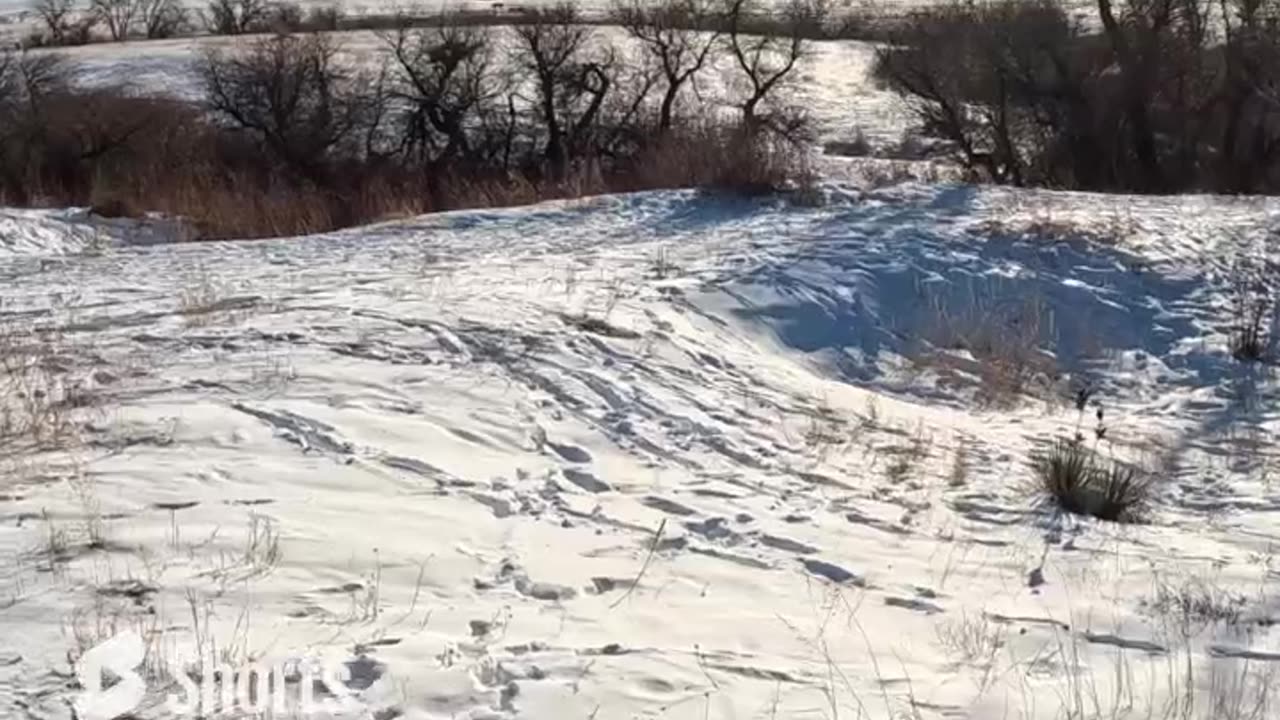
point(446, 78)
point(162, 18)
point(116, 15)
point(291, 93)
point(570, 83)
point(679, 36)
point(27, 81)
point(27, 77)
point(235, 17)
point(766, 60)
point(966, 70)
point(56, 16)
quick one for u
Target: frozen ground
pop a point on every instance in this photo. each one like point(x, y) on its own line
point(660, 455)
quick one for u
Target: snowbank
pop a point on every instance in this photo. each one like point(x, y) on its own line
point(657, 455)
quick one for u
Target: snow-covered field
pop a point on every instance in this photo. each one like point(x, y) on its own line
point(662, 455)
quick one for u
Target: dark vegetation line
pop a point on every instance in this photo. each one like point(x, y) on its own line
point(288, 138)
point(1153, 96)
point(1156, 96)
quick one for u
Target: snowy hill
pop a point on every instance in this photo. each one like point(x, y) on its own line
point(660, 455)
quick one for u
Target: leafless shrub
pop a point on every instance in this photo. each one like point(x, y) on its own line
point(293, 95)
point(679, 36)
point(1194, 604)
point(324, 18)
point(959, 475)
point(1253, 312)
point(825, 431)
point(117, 16)
point(446, 82)
point(1077, 480)
point(56, 16)
point(971, 639)
point(571, 76)
point(262, 545)
point(765, 63)
point(42, 400)
point(283, 18)
point(163, 18)
point(1149, 97)
point(235, 17)
point(722, 157)
point(199, 299)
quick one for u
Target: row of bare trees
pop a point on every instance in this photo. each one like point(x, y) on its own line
point(1156, 96)
point(65, 22)
point(542, 97)
point(75, 22)
point(293, 133)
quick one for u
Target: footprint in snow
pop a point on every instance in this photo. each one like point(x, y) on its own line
point(923, 606)
point(571, 453)
point(786, 544)
point(832, 572)
point(712, 529)
point(586, 481)
point(670, 507)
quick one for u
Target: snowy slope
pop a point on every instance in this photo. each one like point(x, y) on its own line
point(445, 449)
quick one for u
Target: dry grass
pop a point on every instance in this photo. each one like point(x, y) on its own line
point(1190, 605)
point(1252, 307)
point(721, 157)
point(959, 475)
point(998, 345)
point(42, 399)
point(1036, 217)
point(1077, 480)
point(971, 639)
point(219, 197)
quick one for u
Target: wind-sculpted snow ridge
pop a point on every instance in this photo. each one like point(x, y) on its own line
point(659, 455)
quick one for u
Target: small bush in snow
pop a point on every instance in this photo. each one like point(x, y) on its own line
point(1252, 307)
point(1077, 480)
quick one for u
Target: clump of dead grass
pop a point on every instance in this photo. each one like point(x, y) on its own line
point(1252, 308)
point(41, 397)
point(1078, 480)
point(999, 345)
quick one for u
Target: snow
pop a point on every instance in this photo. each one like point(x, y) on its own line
point(472, 432)
point(35, 233)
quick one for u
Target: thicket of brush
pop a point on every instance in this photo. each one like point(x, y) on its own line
point(292, 138)
point(1148, 96)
